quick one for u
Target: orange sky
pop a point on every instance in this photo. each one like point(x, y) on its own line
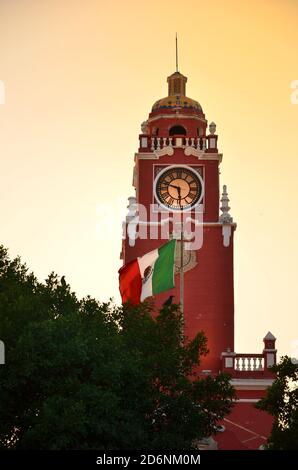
point(80, 77)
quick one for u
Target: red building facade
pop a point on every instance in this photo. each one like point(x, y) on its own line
point(177, 191)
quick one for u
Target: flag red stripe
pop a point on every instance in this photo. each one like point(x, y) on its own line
point(130, 282)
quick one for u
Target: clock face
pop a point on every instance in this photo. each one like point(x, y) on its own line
point(178, 188)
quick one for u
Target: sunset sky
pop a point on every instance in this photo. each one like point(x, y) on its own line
point(81, 76)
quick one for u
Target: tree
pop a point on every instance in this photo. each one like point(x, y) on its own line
point(281, 402)
point(80, 374)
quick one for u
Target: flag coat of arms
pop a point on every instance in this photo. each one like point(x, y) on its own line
point(148, 275)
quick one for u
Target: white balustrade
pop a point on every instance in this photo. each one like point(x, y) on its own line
point(249, 363)
point(157, 143)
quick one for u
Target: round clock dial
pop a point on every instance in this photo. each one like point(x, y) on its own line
point(178, 188)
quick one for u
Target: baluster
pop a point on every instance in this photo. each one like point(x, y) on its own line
point(158, 143)
point(243, 364)
point(152, 143)
point(171, 141)
point(237, 367)
point(260, 363)
point(254, 366)
point(164, 142)
point(192, 141)
point(204, 143)
point(249, 363)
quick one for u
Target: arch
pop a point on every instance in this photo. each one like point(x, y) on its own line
point(177, 130)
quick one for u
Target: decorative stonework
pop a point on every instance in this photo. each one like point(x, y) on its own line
point(225, 217)
point(164, 151)
point(212, 128)
point(144, 127)
point(132, 208)
point(193, 151)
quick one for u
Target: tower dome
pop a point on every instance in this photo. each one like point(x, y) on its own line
point(176, 98)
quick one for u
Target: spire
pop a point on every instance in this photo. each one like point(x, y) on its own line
point(176, 53)
point(177, 81)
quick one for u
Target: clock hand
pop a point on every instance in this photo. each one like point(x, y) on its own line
point(179, 196)
point(179, 193)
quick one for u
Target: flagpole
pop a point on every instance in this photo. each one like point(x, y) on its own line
point(182, 271)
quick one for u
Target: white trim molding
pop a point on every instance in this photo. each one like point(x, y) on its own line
point(251, 384)
point(247, 400)
point(166, 151)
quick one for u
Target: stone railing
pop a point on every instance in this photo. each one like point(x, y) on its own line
point(247, 362)
point(245, 365)
point(150, 144)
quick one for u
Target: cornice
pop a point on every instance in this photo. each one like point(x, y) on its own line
point(177, 116)
point(251, 384)
point(166, 151)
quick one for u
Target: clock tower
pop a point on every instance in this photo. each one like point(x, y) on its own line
point(176, 176)
point(178, 195)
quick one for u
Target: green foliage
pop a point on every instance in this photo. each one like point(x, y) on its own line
point(80, 374)
point(281, 402)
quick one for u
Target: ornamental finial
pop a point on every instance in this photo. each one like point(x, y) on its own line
point(225, 217)
point(212, 128)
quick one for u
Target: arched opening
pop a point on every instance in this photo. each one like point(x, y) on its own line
point(177, 130)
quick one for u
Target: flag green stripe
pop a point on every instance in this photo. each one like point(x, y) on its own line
point(163, 274)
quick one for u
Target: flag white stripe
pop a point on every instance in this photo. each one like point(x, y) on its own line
point(147, 285)
point(148, 260)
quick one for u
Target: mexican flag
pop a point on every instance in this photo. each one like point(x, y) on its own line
point(148, 275)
